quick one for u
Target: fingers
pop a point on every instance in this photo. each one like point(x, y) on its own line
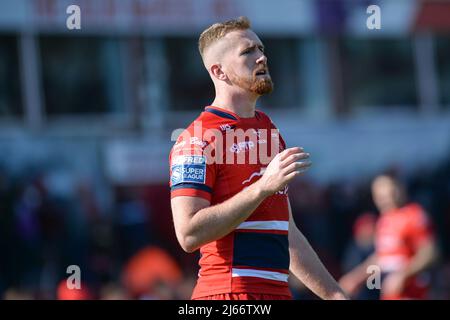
point(294, 174)
point(287, 152)
point(300, 166)
point(287, 165)
point(294, 157)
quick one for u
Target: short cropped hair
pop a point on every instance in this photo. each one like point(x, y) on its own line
point(219, 30)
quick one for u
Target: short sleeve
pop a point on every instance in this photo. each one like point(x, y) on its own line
point(191, 174)
point(420, 229)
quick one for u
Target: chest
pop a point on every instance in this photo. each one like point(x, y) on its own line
point(391, 233)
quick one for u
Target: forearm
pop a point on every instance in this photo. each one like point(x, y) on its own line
point(217, 221)
point(307, 267)
point(423, 259)
point(360, 273)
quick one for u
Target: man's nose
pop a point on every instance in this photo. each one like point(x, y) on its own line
point(262, 59)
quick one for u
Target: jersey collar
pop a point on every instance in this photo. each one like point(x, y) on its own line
point(227, 114)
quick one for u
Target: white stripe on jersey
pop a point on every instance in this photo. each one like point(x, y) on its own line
point(271, 275)
point(265, 225)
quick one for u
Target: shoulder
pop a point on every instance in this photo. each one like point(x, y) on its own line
point(212, 119)
point(196, 128)
point(262, 115)
point(416, 214)
point(414, 210)
point(266, 118)
point(201, 132)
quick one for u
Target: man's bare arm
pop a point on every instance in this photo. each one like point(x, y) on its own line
point(425, 257)
point(395, 282)
point(307, 267)
point(354, 279)
point(197, 223)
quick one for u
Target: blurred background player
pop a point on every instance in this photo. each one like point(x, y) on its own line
point(405, 245)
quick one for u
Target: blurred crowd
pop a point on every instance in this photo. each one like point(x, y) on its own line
point(128, 250)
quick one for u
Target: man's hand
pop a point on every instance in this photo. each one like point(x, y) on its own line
point(394, 283)
point(350, 284)
point(284, 167)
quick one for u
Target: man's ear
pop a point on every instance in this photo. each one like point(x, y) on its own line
point(217, 72)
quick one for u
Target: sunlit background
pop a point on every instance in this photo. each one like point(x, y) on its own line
point(86, 118)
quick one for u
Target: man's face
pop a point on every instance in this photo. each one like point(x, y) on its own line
point(385, 194)
point(245, 62)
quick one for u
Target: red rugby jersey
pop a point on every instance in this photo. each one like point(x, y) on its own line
point(210, 160)
point(399, 234)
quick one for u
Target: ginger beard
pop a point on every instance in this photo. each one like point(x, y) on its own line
point(257, 84)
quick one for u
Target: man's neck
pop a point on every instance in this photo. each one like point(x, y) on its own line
point(242, 105)
point(389, 208)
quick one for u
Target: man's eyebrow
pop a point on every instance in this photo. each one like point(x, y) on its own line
point(247, 47)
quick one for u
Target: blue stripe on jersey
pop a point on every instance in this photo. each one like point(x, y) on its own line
point(191, 186)
point(263, 250)
point(221, 113)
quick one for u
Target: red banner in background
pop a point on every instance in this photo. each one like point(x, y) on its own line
point(433, 15)
point(116, 14)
